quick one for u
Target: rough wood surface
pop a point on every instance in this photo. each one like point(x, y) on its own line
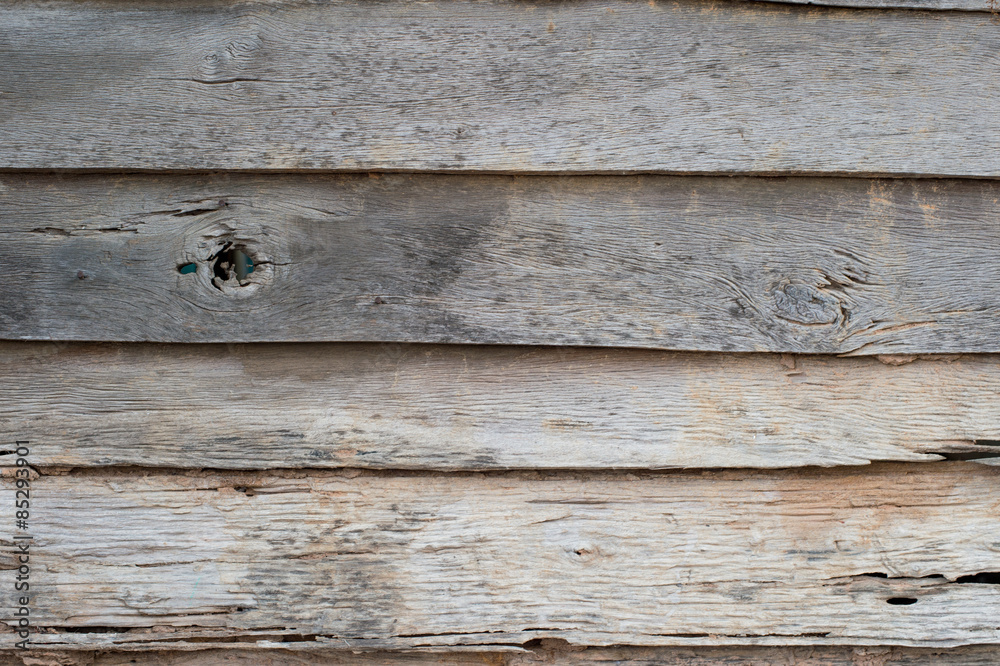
point(992, 6)
point(367, 560)
point(449, 85)
point(549, 652)
point(461, 407)
point(824, 265)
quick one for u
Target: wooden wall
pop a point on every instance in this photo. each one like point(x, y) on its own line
point(578, 332)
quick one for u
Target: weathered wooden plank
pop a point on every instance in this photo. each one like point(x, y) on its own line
point(897, 554)
point(948, 5)
point(453, 85)
point(550, 652)
point(460, 407)
point(718, 264)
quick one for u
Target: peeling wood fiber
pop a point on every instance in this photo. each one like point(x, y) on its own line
point(589, 86)
point(460, 407)
point(417, 560)
point(808, 265)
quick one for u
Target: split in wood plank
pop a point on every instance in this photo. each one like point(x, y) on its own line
point(809, 265)
point(451, 85)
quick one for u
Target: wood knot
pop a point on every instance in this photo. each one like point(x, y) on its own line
point(226, 260)
point(231, 61)
point(806, 304)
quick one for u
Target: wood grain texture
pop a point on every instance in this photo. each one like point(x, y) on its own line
point(810, 265)
point(481, 408)
point(991, 6)
point(547, 653)
point(368, 560)
point(583, 86)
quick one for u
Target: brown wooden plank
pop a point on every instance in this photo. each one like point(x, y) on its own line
point(461, 407)
point(549, 652)
point(897, 555)
point(946, 5)
point(583, 86)
point(812, 265)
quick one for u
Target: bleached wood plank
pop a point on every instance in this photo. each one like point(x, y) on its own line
point(812, 265)
point(450, 407)
point(436, 560)
point(587, 86)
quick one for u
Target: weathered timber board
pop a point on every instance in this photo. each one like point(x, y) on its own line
point(437, 560)
point(461, 407)
point(812, 265)
point(549, 652)
point(992, 6)
point(449, 85)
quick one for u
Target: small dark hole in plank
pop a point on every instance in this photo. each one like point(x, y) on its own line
point(983, 578)
point(232, 262)
point(901, 601)
point(187, 269)
point(986, 442)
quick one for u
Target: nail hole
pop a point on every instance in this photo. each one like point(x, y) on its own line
point(901, 601)
point(187, 269)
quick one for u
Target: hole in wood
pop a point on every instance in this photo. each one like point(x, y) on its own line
point(187, 269)
point(983, 578)
point(901, 601)
point(231, 264)
point(987, 442)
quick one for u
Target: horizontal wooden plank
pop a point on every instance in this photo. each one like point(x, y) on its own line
point(947, 5)
point(897, 554)
point(454, 85)
point(550, 652)
point(810, 265)
point(480, 408)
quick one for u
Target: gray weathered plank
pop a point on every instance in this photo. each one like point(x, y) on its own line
point(548, 653)
point(454, 85)
point(452, 407)
point(811, 265)
point(374, 560)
